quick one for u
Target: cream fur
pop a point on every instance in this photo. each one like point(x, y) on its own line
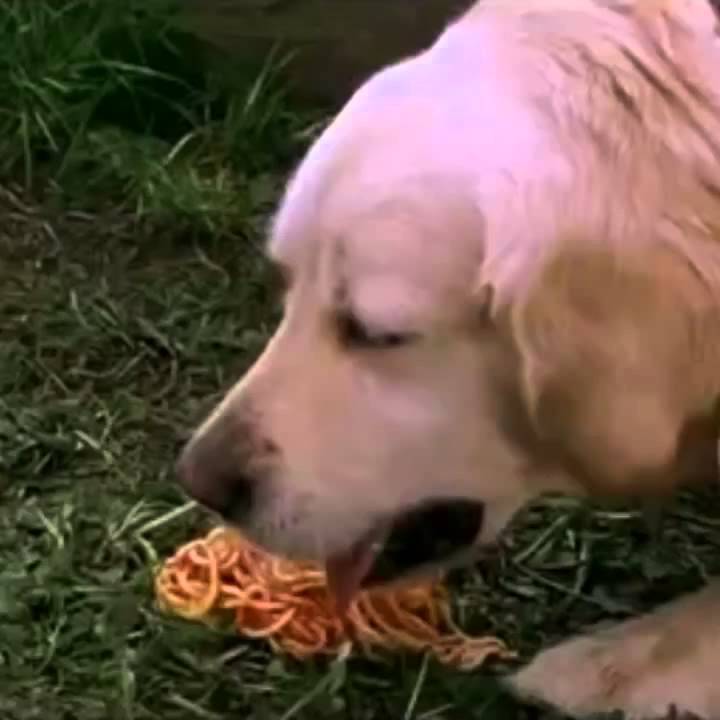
point(536, 197)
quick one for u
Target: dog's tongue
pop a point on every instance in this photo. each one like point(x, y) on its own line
point(346, 570)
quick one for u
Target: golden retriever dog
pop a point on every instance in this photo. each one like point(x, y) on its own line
point(503, 279)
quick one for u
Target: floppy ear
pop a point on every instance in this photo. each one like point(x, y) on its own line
point(613, 363)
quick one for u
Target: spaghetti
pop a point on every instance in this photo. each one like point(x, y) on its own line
point(288, 604)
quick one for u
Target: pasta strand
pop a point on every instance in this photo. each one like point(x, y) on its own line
point(289, 606)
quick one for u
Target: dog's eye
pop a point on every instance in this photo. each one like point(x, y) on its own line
point(354, 334)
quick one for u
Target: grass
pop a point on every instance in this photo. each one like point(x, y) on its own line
point(133, 292)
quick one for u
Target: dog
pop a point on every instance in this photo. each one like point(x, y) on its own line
point(502, 268)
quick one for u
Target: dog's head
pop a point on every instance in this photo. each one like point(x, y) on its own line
point(396, 392)
point(386, 397)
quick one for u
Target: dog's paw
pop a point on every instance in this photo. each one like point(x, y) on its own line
point(666, 664)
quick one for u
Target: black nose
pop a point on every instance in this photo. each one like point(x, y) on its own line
point(215, 476)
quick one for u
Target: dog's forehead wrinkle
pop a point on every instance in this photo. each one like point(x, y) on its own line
point(406, 257)
point(338, 274)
